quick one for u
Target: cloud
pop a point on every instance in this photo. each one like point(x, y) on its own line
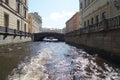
point(67, 13)
point(60, 15)
point(57, 19)
point(56, 16)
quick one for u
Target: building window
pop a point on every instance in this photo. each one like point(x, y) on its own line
point(104, 15)
point(6, 2)
point(18, 0)
point(85, 3)
point(85, 24)
point(18, 7)
point(24, 27)
point(89, 2)
point(81, 5)
point(92, 21)
point(18, 25)
point(97, 20)
point(25, 2)
point(88, 23)
point(25, 12)
point(6, 21)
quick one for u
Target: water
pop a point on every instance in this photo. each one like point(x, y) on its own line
point(53, 61)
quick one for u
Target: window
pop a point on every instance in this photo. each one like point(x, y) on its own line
point(92, 21)
point(85, 24)
point(20, 1)
point(18, 25)
point(6, 21)
point(89, 2)
point(97, 19)
point(85, 3)
point(104, 15)
point(18, 7)
point(88, 23)
point(24, 27)
point(25, 12)
point(6, 1)
point(25, 2)
point(81, 5)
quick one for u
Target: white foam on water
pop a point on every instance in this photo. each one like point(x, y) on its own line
point(34, 69)
point(89, 70)
point(60, 58)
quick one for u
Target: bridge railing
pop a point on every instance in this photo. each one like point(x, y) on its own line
point(105, 24)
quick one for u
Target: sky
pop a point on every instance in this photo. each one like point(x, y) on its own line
point(54, 13)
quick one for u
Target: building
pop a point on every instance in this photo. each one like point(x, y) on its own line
point(73, 23)
point(64, 30)
point(94, 11)
point(54, 30)
point(14, 21)
point(35, 23)
point(114, 8)
point(13, 15)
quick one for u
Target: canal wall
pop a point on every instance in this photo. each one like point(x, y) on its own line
point(105, 40)
point(8, 35)
point(103, 36)
point(11, 39)
point(108, 41)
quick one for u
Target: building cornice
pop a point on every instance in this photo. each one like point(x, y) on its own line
point(89, 5)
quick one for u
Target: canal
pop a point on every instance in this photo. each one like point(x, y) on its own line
point(53, 61)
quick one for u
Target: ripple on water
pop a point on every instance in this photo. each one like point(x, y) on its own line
point(59, 61)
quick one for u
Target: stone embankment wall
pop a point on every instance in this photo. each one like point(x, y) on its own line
point(103, 36)
point(8, 35)
point(11, 39)
point(108, 41)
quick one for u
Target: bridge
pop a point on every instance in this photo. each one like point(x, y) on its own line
point(41, 36)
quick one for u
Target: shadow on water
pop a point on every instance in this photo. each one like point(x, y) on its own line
point(107, 56)
point(13, 54)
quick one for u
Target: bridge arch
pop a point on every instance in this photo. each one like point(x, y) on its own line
point(41, 36)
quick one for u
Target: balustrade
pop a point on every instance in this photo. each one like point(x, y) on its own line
point(114, 23)
point(106, 24)
point(10, 31)
point(4, 30)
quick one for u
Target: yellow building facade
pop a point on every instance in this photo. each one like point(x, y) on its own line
point(94, 11)
point(14, 15)
point(35, 23)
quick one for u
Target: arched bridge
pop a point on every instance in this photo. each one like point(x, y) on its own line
point(41, 36)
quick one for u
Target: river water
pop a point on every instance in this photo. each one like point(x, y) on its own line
point(53, 61)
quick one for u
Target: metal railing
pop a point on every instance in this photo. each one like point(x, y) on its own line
point(8, 31)
point(106, 24)
point(114, 23)
point(2, 29)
